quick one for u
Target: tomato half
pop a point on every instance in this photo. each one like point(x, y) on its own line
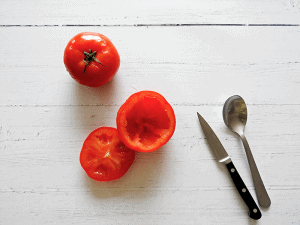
point(146, 121)
point(91, 59)
point(104, 157)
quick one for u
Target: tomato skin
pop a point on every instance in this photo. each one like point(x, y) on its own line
point(146, 121)
point(93, 74)
point(104, 157)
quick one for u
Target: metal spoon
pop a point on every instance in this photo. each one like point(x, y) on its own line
point(235, 118)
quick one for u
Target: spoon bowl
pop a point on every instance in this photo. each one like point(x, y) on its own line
point(235, 114)
point(235, 118)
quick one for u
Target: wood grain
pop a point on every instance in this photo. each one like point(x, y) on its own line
point(196, 54)
point(155, 12)
point(251, 61)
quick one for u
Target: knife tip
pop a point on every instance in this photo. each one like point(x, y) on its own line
point(199, 116)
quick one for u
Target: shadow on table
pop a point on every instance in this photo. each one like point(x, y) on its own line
point(103, 95)
point(146, 175)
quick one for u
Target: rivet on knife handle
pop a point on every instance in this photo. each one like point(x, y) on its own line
point(254, 211)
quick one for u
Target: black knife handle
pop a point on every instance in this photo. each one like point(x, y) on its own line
point(254, 211)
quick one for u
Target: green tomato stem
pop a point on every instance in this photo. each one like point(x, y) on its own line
point(89, 57)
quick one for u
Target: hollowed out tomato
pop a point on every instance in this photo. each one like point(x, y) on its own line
point(146, 121)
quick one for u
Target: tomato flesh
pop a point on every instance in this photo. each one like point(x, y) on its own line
point(146, 121)
point(104, 157)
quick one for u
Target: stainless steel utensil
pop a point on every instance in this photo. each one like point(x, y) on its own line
point(235, 118)
point(223, 157)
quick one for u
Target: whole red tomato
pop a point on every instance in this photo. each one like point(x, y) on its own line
point(146, 121)
point(91, 59)
point(104, 157)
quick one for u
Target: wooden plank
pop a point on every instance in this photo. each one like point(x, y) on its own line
point(188, 65)
point(43, 140)
point(155, 12)
point(190, 206)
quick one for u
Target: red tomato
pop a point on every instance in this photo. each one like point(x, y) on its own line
point(146, 121)
point(103, 155)
point(91, 59)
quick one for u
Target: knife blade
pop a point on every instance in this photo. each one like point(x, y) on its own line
point(222, 156)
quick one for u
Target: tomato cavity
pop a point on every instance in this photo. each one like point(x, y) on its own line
point(100, 169)
point(121, 148)
point(104, 139)
point(146, 121)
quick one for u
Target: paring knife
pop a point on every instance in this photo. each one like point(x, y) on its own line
point(223, 157)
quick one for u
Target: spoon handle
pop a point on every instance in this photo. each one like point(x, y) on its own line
point(262, 195)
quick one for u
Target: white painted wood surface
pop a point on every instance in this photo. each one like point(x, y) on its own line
point(196, 54)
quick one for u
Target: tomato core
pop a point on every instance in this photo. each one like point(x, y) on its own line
point(104, 156)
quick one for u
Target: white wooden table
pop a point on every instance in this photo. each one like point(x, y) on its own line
point(196, 54)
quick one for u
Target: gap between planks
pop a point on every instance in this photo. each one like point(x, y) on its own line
point(151, 25)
